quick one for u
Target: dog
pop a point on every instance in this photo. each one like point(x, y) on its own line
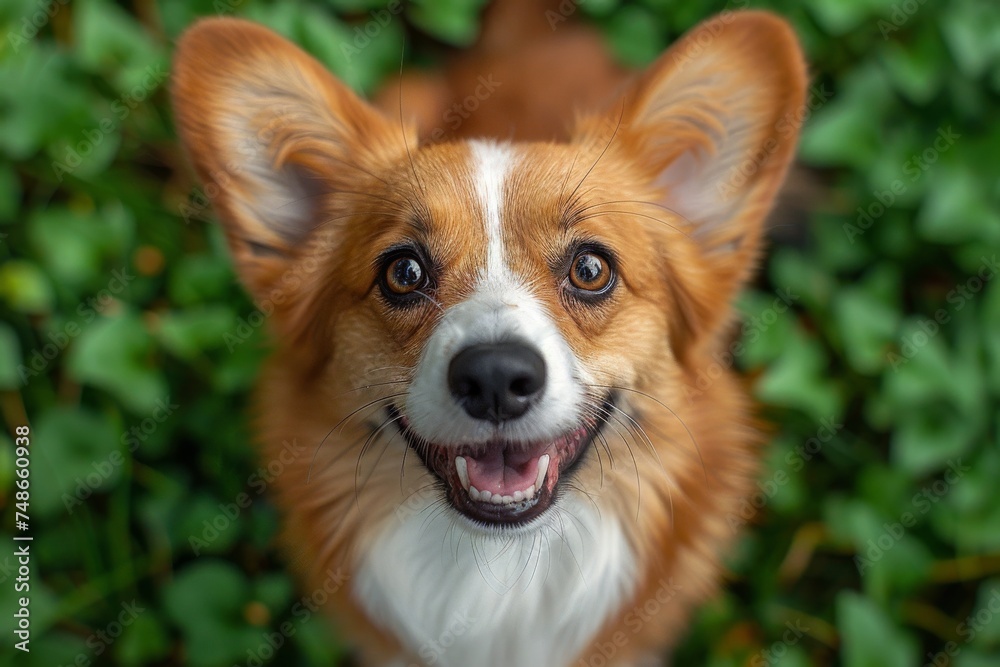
point(494, 342)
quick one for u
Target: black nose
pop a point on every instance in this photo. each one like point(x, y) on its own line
point(496, 382)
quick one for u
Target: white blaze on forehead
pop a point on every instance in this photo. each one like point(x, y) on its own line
point(491, 165)
point(502, 307)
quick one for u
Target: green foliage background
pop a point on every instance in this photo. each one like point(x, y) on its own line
point(92, 183)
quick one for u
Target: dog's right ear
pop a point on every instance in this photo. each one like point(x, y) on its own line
point(273, 136)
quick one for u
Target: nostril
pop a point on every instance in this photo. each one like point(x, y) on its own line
point(498, 381)
point(524, 386)
point(466, 388)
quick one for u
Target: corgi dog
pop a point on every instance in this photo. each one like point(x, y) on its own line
point(492, 346)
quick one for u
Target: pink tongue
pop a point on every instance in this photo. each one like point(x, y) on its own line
point(502, 472)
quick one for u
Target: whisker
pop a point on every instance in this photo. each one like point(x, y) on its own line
point(361, 456)
point(341, 422)
point(369, 386)
point(637, 201)
point(666, 407)
point(635, 466)
point(576, 155)
point(613, 135)
point(632, 213)
point(402, 128)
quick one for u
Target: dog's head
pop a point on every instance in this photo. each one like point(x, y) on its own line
point(509, 315)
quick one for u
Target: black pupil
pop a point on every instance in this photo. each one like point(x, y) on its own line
point(589, 268)
point(406, 272)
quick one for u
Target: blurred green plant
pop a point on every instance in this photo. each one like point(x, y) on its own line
point(875, 538)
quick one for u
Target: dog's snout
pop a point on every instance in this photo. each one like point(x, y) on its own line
point(496, 382)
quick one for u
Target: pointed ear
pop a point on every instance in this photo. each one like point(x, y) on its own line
point(273, 136)
point(713, 124)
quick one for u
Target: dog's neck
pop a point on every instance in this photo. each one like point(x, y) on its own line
point(458, 597)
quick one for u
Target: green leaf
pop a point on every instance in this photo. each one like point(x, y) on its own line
point(867, 324)
point(204, 527)
point(838, 18)
point(275, 591)
point(452, 21)
point(317, 640)
point(10, 196)
point(110, 40)
point(333, 44)
point(10, 357)
point(988, 598)
point(76, 453)
point(206, 601)
point(846, 130)
point(970, 29)
point(764, 330)
point(25, 287)
point(40, 101)
point(928, 438)
point(920, 366)
point(199, 278)
point(799, 379)
point(957, 208)
point(917, 68)
point(73, 245)
point(989, 325)
point(870, 637)
point(793, 269)
point(363, 52)
point(973, 658)
point(634, 36)
point(114, 354)
point(595, 7)
point(143, 642)
point(189, 333)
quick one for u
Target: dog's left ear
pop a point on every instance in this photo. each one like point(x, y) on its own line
point(713, 124)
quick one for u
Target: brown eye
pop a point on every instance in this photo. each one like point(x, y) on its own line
point(590, 272)
point(404, 275)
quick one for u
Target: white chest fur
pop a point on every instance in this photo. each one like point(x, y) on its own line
point(458, 597)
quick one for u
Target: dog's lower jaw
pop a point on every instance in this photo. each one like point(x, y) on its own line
point(455, 598)
point(545, 462)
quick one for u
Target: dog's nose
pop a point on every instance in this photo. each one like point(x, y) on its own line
point(498, 381)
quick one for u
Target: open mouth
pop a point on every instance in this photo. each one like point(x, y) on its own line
point(504, 483)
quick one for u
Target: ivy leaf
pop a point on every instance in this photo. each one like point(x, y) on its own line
point(114, 354)
point(870, 637)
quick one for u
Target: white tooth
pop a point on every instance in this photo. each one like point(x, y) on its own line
point(462, 466)
point(529, 492)
point(485, 496)
point(497, 499)
point(474, 493)
point(543, 467)
point(518, 496)
point(507, 500)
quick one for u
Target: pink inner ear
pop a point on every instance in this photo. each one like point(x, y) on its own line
point(707, 188)
point(280, 200)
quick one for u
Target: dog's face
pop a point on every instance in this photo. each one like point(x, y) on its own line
point(502, 302)
point(513, 323)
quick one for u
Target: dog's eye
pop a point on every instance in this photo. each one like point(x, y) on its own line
point(590, 272)
point(405, 274)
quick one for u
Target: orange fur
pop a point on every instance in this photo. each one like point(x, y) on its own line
point(368, 182)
